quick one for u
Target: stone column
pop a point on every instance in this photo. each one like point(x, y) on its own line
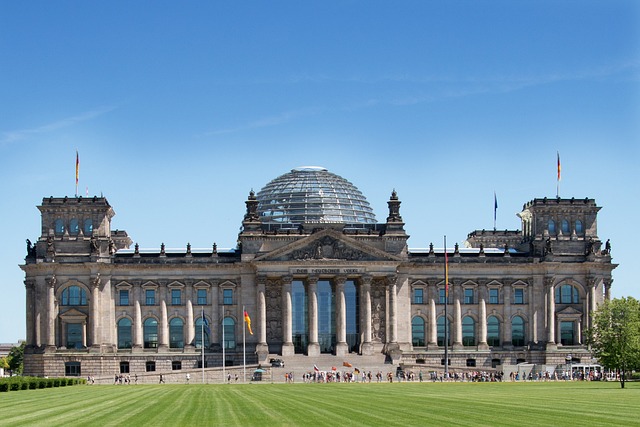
point(287, 326)
point(482, 339)
point(137, 328)
point(262, 348)
point(29, 288)
point(313, 349)
point(365, 315)
point(433, 324)
point(342, 347)
point(393, 312)
point(94, 315)
point(164, 326)
point(579, 331)
point(191, 324)
point(84, 334)
point(607, 289)
point(51, 314)
point(551, 311)
point(457, 336)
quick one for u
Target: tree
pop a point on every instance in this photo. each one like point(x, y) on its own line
point(15, 358)
point(615, 335)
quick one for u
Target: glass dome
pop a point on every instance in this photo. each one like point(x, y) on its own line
point(312, 194)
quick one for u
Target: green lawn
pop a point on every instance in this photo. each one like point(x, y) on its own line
point(401, 404)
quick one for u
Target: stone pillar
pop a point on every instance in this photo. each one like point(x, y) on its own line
point(457, 336)
point(29, 288)
point(433, 324)
point(342, 348)
point(95, 312)
point(262, 348)
point(365, 315)
point(579, 331)
point(482, 339)
point(191, 324)
point(287, 326)
point(164, 326)
point(51, 314)
point(607, 289)
point(313, 349)
point(84, 334)
point(551, 312)
point(531, 301)
point(137, 328)
point(393, 312)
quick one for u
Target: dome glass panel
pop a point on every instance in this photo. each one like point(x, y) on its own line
point(312, 194)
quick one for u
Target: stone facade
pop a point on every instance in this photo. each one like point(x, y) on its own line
point(94, 306)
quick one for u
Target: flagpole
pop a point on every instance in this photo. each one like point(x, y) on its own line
point(446, 302)
point(224, 362)
point(77, 171)
point(202, 342)
point(558, 180)
point(495, 209)
point(244, 352)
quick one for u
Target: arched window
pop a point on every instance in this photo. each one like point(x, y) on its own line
point(417, 331)
point(567, 294)
point(88, 227)
point(176, 333)
point(59, 226)
point(579, 227)
point(74, 295)
point(565, 227)
point(150, 332)
point(441, 325)
point(202, 326)
point(552, 227)
point(74, 227)
point(468, 331)
point(517, 331)
point(229, 331)
point(124, 333)
point(493, 331)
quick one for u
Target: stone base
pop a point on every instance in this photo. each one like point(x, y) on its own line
point(366, 349)
point(287, 349)
point(483, 346)
point(551, 346)
point(342, 349)
point(313, 349)
point(262, 350)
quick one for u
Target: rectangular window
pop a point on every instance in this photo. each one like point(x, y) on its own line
point(469, 296)
point(471, 363)
point(227, 296)
point(151, 366)
point(124, 367)
point(176, 365)
point(418, 296)
point(72, 369)
point(567, 336)
point(518, 296)
point(494, 296)
point(441, 296)
point(124, 297)
point(202, 296)
point(150, 296)
point(176, 297)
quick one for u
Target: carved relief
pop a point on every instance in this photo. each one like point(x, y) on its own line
point(378, 311)
point(273, 301)
point(329, 249)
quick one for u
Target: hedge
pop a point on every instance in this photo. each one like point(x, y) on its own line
point(33, 383)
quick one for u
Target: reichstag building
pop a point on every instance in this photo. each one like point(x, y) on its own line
point(320, 276)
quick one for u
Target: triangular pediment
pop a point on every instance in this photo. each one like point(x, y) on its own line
point(327, 245)
point(568, 311)
point(73, 315)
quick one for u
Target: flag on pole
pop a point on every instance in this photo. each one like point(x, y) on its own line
point(205, 324)
point(315, 368)
point(77, 171)
point(559, 168)
point(446, 272)
point(247, 320)
point(495, 209)
point(347, 364)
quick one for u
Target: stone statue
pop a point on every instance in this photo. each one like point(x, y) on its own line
point(607, 248)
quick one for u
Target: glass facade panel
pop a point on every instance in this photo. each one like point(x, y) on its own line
point(229, 333)
point(518, 296)
point(124, 297)
point(150, 296)
point(468, 331)
point(74, 335)
point(227, 296)
point(418, 296)
point(567, 334)
point(124, 333)
point(150, 332)
point(74, 227)
point(176, 333)
point(202, 326)
point(326, 317)
point(74, 295)
point(417, 331)
point(299, 318)
point(517, 331)
point(202, 297)
point(441, 331)
point(494, 296)
point(493, 331)
point(176, 297)
point(469, 296)
point(352, 302)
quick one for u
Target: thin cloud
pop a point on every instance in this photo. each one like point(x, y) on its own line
point(21, 134)
point(275, 120)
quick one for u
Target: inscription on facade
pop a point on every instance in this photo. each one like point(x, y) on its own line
point(326, 270)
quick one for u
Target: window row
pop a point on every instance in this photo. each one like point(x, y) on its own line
point(59, 226)
point(565, 227)
point(177, 297)
point(176, 333)
point(470, 296)
point(469, 331)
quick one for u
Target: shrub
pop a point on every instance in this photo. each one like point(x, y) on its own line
point(14, 386)
point(49, 383)
point(4, 386)
point(56, 382)
point(24, 385)
point(33, 383)
point(42, 383)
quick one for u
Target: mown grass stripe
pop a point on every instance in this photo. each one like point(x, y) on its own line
point(462, 404)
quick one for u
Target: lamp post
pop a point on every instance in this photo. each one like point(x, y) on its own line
point(569, 358)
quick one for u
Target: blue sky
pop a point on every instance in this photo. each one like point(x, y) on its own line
point(178, 110)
